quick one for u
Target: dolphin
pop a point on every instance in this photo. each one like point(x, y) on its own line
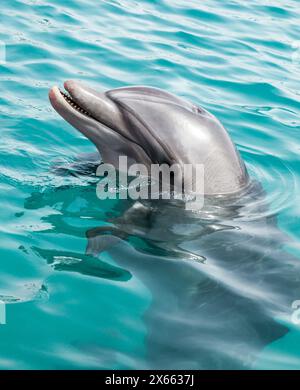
point(151, 126)
point(221, 283)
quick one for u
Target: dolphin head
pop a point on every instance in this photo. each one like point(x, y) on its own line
point(151, 126)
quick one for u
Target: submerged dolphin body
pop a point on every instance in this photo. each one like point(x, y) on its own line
point(220, 306)
point(222, 287)
point(217, 311)
point(151, 126)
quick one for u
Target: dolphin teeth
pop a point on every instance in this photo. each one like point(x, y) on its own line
point(73, 104)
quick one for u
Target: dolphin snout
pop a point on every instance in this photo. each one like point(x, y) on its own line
point(98, 104)
point(56, 99)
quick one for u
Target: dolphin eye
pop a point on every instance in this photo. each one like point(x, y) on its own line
point(198, 110)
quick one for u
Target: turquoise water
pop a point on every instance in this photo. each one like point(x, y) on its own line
point(66, 309)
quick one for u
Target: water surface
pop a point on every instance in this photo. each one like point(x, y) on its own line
point(141, 304)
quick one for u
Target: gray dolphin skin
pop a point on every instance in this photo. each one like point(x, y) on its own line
point(151, 126)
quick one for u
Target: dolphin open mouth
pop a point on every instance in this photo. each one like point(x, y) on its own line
point(67, 104)
point(82, 109)
point(68, 98)
point(97, 117)
point(101, 118)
